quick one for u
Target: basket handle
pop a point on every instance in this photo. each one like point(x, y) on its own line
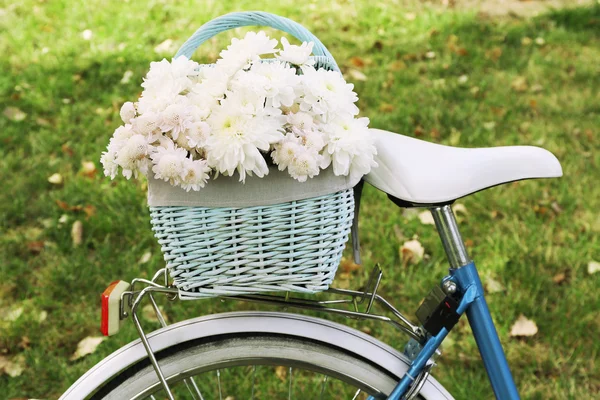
point(257, 18)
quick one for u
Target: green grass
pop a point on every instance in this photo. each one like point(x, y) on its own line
point(522, 234)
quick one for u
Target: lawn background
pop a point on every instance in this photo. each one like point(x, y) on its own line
point(446, 75)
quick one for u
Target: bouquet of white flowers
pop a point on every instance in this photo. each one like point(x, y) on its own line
point(240, 114)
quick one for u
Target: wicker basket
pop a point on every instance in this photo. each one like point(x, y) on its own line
point(289, 246)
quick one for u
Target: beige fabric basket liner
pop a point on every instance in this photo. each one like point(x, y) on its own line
point(227, 191)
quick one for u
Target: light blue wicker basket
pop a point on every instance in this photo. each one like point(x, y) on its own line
point(294, 246)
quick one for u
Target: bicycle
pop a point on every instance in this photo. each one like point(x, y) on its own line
point(413, 173)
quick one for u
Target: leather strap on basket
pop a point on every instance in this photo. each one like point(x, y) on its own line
point(322, 56)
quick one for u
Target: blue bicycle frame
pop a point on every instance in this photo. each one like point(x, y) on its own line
point(472, 302)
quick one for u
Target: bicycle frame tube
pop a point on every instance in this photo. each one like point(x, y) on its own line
point(464, 273)
point(485, 334)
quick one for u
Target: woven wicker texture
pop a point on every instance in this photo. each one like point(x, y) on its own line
point(294, 246)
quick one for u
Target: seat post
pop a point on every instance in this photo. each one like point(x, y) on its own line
point(454, 246)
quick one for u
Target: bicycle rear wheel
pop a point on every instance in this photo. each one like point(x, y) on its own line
point(254, 355)
point(259, 366)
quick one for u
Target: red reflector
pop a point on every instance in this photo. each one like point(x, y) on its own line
point(105, 297)
point(447, 305)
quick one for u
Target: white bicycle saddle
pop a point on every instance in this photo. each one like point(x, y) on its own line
point(420, 172)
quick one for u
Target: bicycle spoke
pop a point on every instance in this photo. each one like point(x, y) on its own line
point(219, 382)
point(196, 394)
point(356, 394)
point(290, 388)
point(323, 387)
point(253, 381)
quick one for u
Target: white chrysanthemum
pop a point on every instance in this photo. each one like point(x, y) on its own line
point(127, 112)
point(168, 163)
point(236, 142)
point(304, 165)
point(156, 100)
point(296, 55)
point(279, 82)
point(109, 164)
point(176, 118)
point(214, 82)
point(241, 54)
point(195, 174)
point(202, 104)
point(285, 151)
point(195, 136)
point(300, 122)
point(313, 140)
point(147, 124)
point(245, 101)
point(174, 75)
point(122, 134)
point(132, 156)
point(350, 147)
point(327, 93)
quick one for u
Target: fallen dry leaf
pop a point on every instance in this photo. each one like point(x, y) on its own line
point(459, 208)
point(519, 84)
point(88, 169)
point(536, 88)
point(55, 179)
point(67, 150)
point(43, 315)
point(357, 62)
point(165, 47)
point(126, 77)
point(89, 211)
point(412, 251)
point(593, 267)
point(25, 342)
point(490, 126)
point(14, 114)
point(398, 65)
point(145, 258)
point(11, 314)
point(494, 53)
point(87, 346)
point(410, 213)
point(42, 122)
point(35, 247)
point(386, 107)
point(356, 75)
point(77, 233)
point(426, 218)
point(493, 286)
point(523, 327)
point(559, 278)
point(281, 372)
point(12, 367)
point(347, 265)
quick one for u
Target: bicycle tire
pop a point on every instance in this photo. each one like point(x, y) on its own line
point(251, 338)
